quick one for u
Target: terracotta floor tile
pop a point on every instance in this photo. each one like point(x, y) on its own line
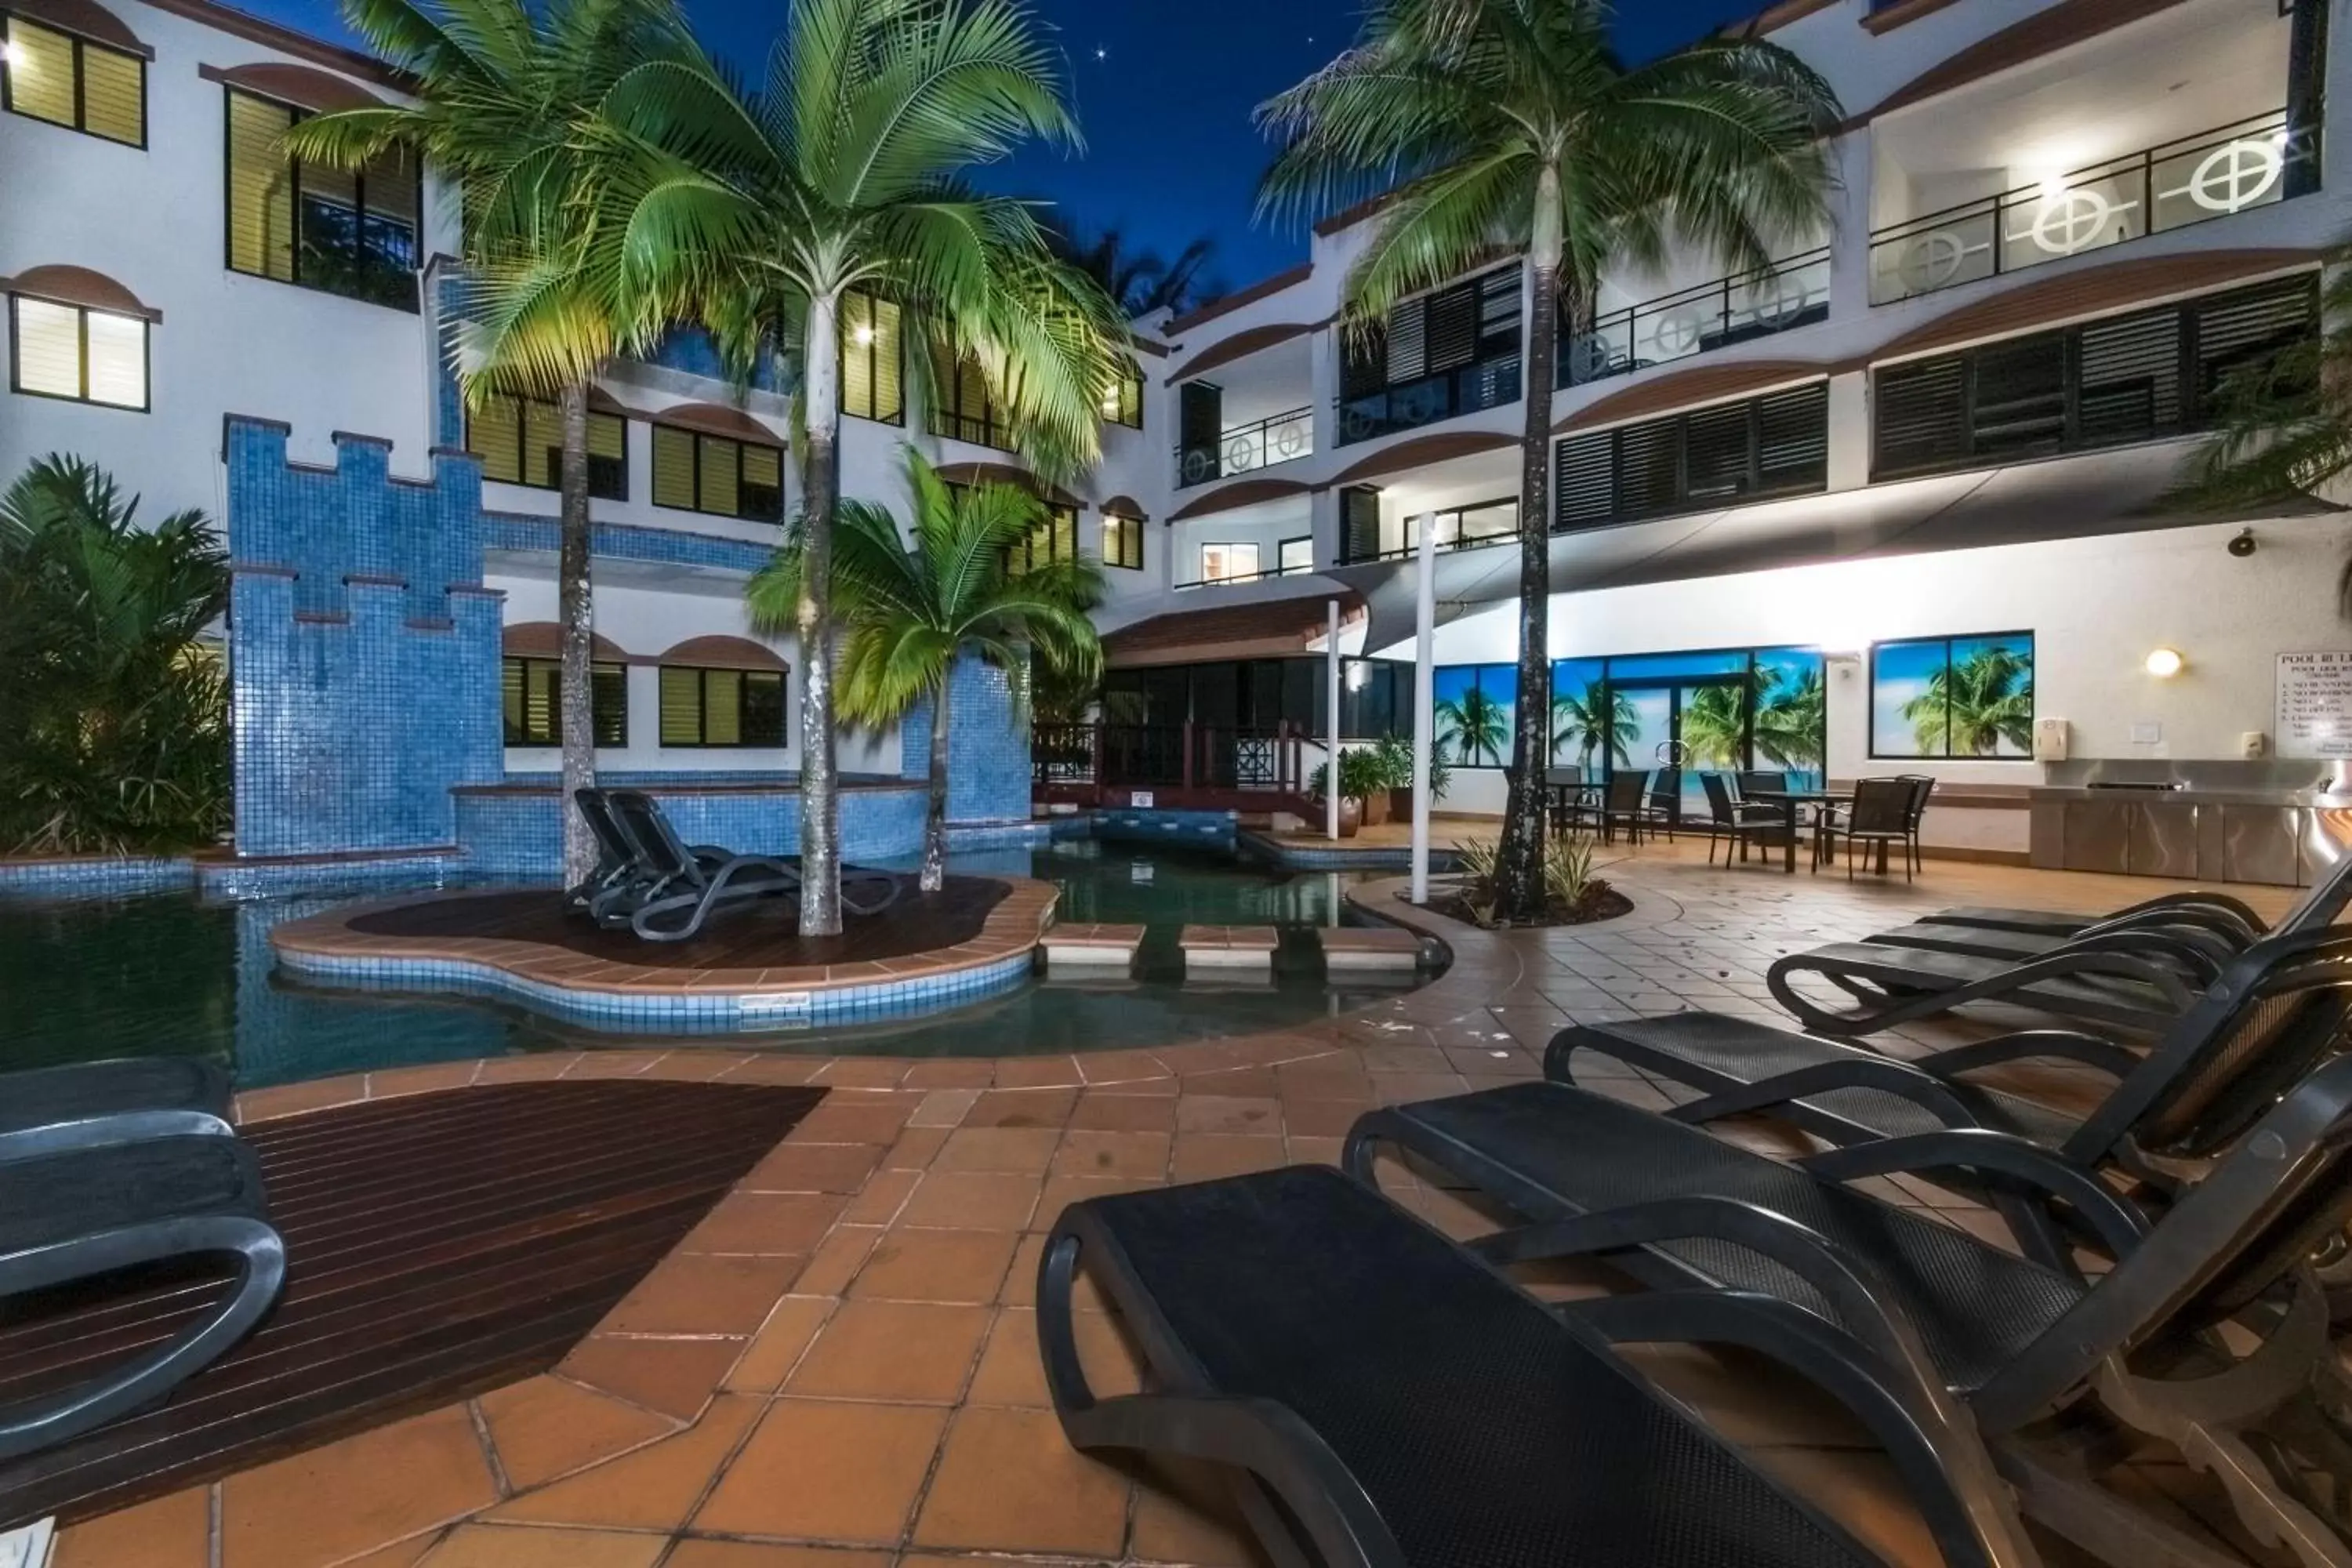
point(1322, 1117)
point(1227, 1113)
point(1021, 1108)
point(545, 1428)
point(833, 1265)
point(916, 1147)
point(654, 1489)
point(1136, 1155)
point(972, 1200)
point(850, 1117)
point(531, 1546)
point(173, 1531)
point(965, 1265)
point(813, 1168)
point(910, 1351)
point(1011, 1372)
point(820, 1470)
point(749, 1554)
point(1204, 1156)
point(332, 1502)
point(1184, 1513)
point(1023, 1150)
point(767, 1222)
point(779, 1345)
point(879, 1201)
point(675, 1377)
point(688, 1293)
point(1009, 1482)
point(950, 1073)
point(1063, 1191)
point(1098, 1111)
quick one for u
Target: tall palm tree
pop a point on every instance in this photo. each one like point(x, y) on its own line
point(845, 172)
point(909, 614)
point(1599, 717)
point(1512, 123)
point(503, 98)
point(1791, 721)
point(1140, 281)
point(1474, 725)
point(1974, 704)
point(2286, 422)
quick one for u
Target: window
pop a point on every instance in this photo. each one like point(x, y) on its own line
point(1122, 542)
point(520, 442)
point(73, 352)
point(1453, 351)
point(1769, 445)
point(1953, 697)
point(1123, 402)
point(721, 707)
point(70, 81)
point(960, 407)
point(1473, 706)
point(870, 384)
point(1297, 554)
point(1462, 527)
point(2109, 383)
point(1228, 563)
point(352, 234)
point(1055, 539)
point(532, 689)
point(715, 474)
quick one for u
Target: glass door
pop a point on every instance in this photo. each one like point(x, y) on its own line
point(1700, 725)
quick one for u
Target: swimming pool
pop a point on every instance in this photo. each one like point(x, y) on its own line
point(171, 974)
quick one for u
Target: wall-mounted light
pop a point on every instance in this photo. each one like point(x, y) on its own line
point(2163, 663)
point(863, 336)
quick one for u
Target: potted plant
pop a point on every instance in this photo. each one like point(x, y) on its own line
point(1360, 778)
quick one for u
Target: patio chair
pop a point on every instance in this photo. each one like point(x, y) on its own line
point(688, 887)
point(2320, 905)
point(1622, 807)
point(77, 1212)
point(2024, 1344)
point(141, 1097)
point(1922, 786)
point(1762, 781)
point(1730, 823)
point(1382, 1399)
point(1665, 807)
point(1879, 815)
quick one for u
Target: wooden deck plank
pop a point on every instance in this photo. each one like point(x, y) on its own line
point(438, 1245)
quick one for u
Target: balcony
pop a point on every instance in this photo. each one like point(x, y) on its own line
point(1793, 292)
point(1246, 448)
point(983, 429)
point(1454, 528)
point(2193, 180)
point(1448, 394)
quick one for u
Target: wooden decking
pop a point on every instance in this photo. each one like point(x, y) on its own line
point(438, 1245)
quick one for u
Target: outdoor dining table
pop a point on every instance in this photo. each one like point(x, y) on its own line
point(1792, 800)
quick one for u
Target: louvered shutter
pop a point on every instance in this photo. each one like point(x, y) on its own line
point(1919, 415)
point(2129, 388)
point(1408, 343)
point(1792, 440)
point(1452, 330)
point(1585, 480)
point(1718, 448)
point(1649, 469)
point(2017, 404)
point(2246, 326)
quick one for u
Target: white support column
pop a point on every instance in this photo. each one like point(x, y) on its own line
point(1331, 704)
point(1425, 697)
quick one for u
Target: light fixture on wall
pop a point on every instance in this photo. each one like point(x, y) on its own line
point(863, 335)
point(2163, 663)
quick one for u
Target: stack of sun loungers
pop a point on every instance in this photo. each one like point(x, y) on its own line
point(1381, 1394)
point(110, 1165)
point(650, 881)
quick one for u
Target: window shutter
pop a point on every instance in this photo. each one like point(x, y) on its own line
point(118, 359)
point(681, 707)
point(1586, 480)
point(1498, 311)
point(1452, 327)
point(1717, 449)
point(889, 382)
point(48, 347)
point(260, 189)
point(1359, 523)
point(1919, 414)
point(1792, 440)
point(1363, 359)
point(2246, 326)
point(510, 700)
point(608, 701)
point(764, 708)
point(722, 707)
point(608, 457)
point(673, 467)
point(113, 94)
point(491, 434)
point(543, 444)
point(542, 707)
point(1408, 343)
point(763, 484)
point(2018, 397)
point(40, 72)
point(1649, 468)
point(720, 476)
point(2130, 386)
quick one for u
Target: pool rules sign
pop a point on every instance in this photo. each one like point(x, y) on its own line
point(2314, 705)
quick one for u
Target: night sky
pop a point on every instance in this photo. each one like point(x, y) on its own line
point(1164, 92)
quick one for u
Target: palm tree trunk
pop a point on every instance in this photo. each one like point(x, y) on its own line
point(577, 611)
point(813, 619)
point(1519, 856)
point(935, 815)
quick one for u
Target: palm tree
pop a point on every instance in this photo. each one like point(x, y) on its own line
point(763, 210)
point(1972, 704)
point(1512, 123)
point(1790, 722)
point(1140, 281)
point(1473, 723)
point(910, 614)
point(2286, 422)
point(1600, 716)
point(504, 90)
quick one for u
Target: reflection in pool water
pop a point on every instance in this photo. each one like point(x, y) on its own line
point(82, 980)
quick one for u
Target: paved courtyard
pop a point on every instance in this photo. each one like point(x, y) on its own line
point(839, 1369)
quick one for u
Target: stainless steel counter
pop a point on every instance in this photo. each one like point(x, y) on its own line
point(2200, 834)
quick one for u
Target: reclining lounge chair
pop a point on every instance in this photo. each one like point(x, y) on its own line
point(1384, 1399)
point(2022, 1342)
point(92, 1203)
point(2320, 905)
point(141, 1096)
point(685, 885)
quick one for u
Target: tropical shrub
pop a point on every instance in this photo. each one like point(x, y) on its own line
point(116, 715)
point(1572, 894)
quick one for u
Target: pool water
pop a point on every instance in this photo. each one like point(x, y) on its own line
point(170, 974)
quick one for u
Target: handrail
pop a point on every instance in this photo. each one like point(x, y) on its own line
point(1176, 756)
point(2172, 185)
point(1265, 575)
point(1757, 302)
point(1246, 448)
point(1482, 384)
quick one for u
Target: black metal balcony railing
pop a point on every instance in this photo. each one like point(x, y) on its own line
point(979, 429)
point(1235, 579)
point(1466, 389)
point(1244, 448)
point(1793, 292)
point(2211, 175)
point(1076, 758)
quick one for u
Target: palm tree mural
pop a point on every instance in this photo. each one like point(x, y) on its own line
point(1594, 718)
point(1474, 725)
point(1972, 705)
point(1714, 725)
point(1792, 719)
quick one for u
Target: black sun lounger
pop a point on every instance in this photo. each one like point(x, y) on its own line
point(1383, 1399)
point(2022, 1343)
point(2275, 1014)
point(143, 1097)
point(687, 885)
point(78, 1214)
point(2320, 905)
point(2130, 980)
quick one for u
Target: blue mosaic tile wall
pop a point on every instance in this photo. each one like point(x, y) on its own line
point(449, 402)
point(96, 877)
point(693, 351)
point(626, 542)
point(988, 746)
point(516, 832)
point(364, 651)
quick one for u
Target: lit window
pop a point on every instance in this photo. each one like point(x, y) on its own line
point(70, 81)
point(1228, 563)
point(870, 387)
point(1297, 554)
point(520, 442)
point(1122, 542)
point(1953, 697)
point(715, 474)
point(348, 232)
point(1122, 401)
point(532, 692)
point(1055, 539)
point(721, 707)
point(71, 351)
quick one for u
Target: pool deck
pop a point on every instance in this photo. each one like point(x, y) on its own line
point(839, 1369)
